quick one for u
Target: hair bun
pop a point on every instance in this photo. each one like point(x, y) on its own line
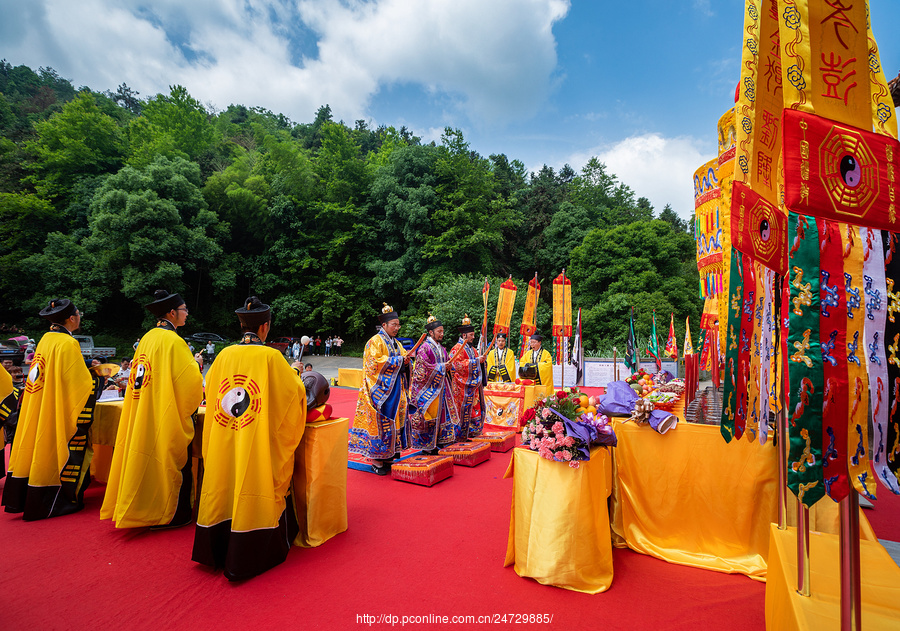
point(253, 303)
point(159, 294)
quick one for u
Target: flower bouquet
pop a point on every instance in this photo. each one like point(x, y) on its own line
point(555, 430)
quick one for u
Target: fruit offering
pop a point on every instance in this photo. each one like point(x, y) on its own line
point(641, 382)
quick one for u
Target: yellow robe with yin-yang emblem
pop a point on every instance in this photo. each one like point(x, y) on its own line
point(150, 478)
point(255, 418)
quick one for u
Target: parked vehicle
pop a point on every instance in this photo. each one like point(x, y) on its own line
point(10, 349)
point(206, 337)
point(94, 352)
point(283, 344)
point(406, 342)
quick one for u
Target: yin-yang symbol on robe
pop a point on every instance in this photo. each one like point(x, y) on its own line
point(851, 172)
point(235, 402)
point(765, 230)
point(34, 374)
point(139, 374)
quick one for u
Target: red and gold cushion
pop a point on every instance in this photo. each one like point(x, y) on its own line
point(424, 470)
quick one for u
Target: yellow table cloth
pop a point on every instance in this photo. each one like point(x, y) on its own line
point(820, 611)
point(320, 482)
point(559, 521)
point(688, 497)
point(506, 402)
point(350, 377)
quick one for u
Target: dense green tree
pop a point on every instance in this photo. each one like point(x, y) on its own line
point(171, 125)
point(25, 221)
point(78, 141)
point(646, 265)
point(151, 228)
point(671, 217)
point(322, 219)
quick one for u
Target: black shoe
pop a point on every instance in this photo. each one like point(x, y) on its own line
point(431, 452)
point(384, 469)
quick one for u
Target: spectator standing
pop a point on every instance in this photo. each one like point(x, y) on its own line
point(210, 351)
point(296, 350)
point(327, 346)
point(336, 343)
point(318, 345)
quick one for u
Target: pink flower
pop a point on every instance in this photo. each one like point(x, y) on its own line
point(568, 441)
point(546, 453)
point(574, 464)
point(545, 413)
point(558, 428)
point(567, 455)
point(534, 443)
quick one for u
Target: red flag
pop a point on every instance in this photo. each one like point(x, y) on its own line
point(671, 344)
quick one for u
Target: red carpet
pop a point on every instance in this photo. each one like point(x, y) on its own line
point(409, 551)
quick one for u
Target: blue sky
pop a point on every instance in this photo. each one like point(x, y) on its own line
point(639, 84)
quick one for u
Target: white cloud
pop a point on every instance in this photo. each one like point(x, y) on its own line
point(489, 61)
point(658, 168)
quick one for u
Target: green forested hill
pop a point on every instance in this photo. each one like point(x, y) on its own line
point(106, 196)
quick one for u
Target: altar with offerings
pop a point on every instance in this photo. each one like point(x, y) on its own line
point(505, 403)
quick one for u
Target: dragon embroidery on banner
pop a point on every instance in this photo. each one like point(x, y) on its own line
point(806, 388)
point(806, 458)
point(802, 347)
point(804, 298)
point(831, 294)
point(874, 302)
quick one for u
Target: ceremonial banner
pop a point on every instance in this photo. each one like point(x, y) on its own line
point(839, 172)
point(562, 306)
point(883, 113)
point(529, 314)
point(758, 228)
point(892, 347)
point(729, 392)
point(482, 341)
point(578, 352)
point(876, 360)
point(671, 344)
point(827, 72)
point(631, 359)
point(653, 345)
point(707, 228)
point(691, 365)
point(760, 102)
point(764, 328)
point(806, 379)
point(833, 341)
point(742, 392)
point(857, 429)
point(505, 303)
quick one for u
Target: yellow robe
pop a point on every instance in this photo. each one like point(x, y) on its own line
point(255, 418)
point(501, 366)
point(378, 430)
point(542, 358)
point(6, 383)
point(50, 462)
point(150, 475)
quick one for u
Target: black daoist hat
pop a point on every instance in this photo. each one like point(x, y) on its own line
point(58, 309)
point(537, 336)
point(432, 323)
point(254, 313)
point(163, 303)
point(466, 326)
point(388, 314)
